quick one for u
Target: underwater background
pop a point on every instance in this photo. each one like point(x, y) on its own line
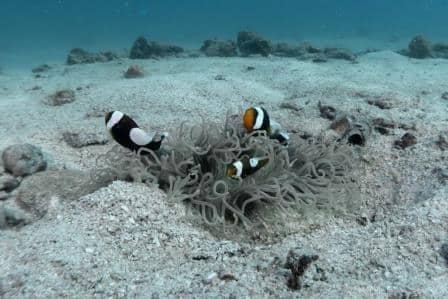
point(33, 31)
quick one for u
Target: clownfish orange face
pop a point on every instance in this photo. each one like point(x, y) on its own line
point(256, 118)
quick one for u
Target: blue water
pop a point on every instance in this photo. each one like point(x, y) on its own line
point(46, 29)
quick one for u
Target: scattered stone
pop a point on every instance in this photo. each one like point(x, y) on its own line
point(10, 216)
point(441, 173)
point(290, 106)
point(81, 56)
point(297, 265)
point(327, 112)
point(219, 48)
point(34, 88)
point(82, 139)
point(41, 192)
point(250, 68)
point(210, 278)
point(404, 295)
point(4, 195)
point(41, 68)
point(220, 78)
point(440, 50)
point(380, 103)
point(61, 97)
point(288, 50)
point(23, 159)
point(227, 276)
point(362, 220)
point(144, 49)
point(134, 71)
point(419, 48)
point(250, 43)
point(381, 122)
point(444, 252)
point(405, 141)
point(445, 95)
point(339, 53)
point(442, 142)
point(382, 130)
point(8, 182)
point(97, 112)
point(319, 60)
point(341, 124)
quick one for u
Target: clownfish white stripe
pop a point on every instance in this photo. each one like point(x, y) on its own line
point(259, 119)
point(140, 137)
point(239, 168)
point(114, 119)
point(253, 162)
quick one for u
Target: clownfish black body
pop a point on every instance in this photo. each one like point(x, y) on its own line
point(125, 131)
point(257, 119)
point(245, 166)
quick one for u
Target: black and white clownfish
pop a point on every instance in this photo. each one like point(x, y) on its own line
point(126, 132)
point(245, 166)
point(257, 119)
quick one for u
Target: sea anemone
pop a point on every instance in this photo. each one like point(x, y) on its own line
point(191, 168)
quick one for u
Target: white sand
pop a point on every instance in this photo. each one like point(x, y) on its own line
point(127, 240)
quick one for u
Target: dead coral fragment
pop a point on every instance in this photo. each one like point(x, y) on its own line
point(298, 266)
point(134, 71)
point(61, 97)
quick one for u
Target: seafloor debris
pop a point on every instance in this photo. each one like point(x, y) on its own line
point(445, 95)
point(12, 216)
point(134, 71)
point(82, 139)
point(41, 68)
point(290, 106)
point(444, 252)
point(251, 43)
point(326, 111)
point(297, 265)
point(288, 50)
point(380, 103)
point(419, 47)
point(442, 141)
point(405, 141)
point(219, 48)
point(144, 49)
point(23, 159)
point(339, 53)
point(8, 182)
point(81, 56)
point(358, 132)
point(61, 97)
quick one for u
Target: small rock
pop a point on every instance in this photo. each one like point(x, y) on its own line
point(362, 220)
point(250, 43)
point(405, 141)
point(419, 48)
point(380, 103)
point(210, 278)
point(290, 106)
point(441, 173)
point(338, 53)
point(8, 182)
point(381, 122)
point(81, 139)
point(4, 195)
point(144, 49)
point(341, 124)
point(440, 50)
point(81, 56)
point(297, 265)
point(445, 95)
point(12, 217)
point(444, 252)
point(41, 68)
point(97, 112)
point(227, 276)
point(288, 50)
point(23, 159)
point(319, 60)
point(134, 71)
point(217, 48)
point(327, 112)
point(250, 68)
point(220, 78)
point(61, 97)
point(442, 141)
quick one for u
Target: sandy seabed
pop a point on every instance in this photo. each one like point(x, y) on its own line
point(126, 240)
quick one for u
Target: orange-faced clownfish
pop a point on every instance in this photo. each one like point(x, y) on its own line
point(126, 132)
point(245, 166)
point(257, 119)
